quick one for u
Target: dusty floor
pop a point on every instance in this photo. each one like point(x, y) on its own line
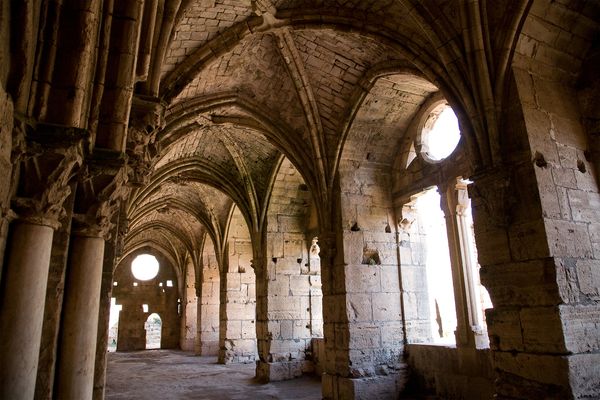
point(168, 374)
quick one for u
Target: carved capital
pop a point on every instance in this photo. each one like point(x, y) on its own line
point(102, 187)
point(146, 119)
point(494, 191)
point(46, 159)
point(327, 246)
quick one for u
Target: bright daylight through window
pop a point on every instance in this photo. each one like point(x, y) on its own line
point(441, 133)
point(144, 267)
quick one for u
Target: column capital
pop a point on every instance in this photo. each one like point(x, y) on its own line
point(146, 118)
point(102, 187)
point(493, 189)
point(327, 245)
point(47, 158)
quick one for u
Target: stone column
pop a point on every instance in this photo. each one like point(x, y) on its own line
point(80, 317)
point(44, 386)
point(38, 204)
point(189, 316)
point(208, 303)
point(362, 314)
point(101, 190)
point(283, 308)
point(459, 261)
point(110, 254)
point(237, 327)
point(22, 316)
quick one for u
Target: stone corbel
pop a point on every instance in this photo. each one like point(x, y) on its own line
point(145, 120)
point(47, 159)
point(102, 187)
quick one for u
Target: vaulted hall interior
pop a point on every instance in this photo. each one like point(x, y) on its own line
point(396, 197)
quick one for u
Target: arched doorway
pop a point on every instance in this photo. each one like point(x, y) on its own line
point(153, 327)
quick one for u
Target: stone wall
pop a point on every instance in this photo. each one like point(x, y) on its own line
point(413, 273)
point(159, 297)
point(237, 339)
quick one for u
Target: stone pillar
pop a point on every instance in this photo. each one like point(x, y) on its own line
point(44, 386)
point(99, 195)
point(104, 315)
point(189, 319)
point(364, 340)
point(453, 203)
point(208, 303)
point(539, 335)
point(237, 328)
point(283, 304)
point(75, 378)
point(22, 316)
point(536, 227)
point(37, 204)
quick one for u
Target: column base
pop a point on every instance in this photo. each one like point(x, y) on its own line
point(367, 388)
point(281, 371)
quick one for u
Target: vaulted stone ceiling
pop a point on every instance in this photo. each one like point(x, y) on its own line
point(249, 83)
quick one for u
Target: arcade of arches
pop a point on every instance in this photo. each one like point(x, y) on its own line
point(275, 157)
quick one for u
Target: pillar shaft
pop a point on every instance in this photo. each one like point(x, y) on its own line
point(80, 319)
point(21, 319)
point(464, 294)
point(104, 319)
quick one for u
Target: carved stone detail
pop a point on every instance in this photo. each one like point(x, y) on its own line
point(146, 119)
point(122, 231)
point(102, 187)
point(47, 159)
point(494, 190)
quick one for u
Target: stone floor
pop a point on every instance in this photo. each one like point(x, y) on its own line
point(169, 374)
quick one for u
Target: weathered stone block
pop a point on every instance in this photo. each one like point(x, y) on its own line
point(588, 274)
point(359, 307)
point(363, 278)
point(386, 307)
point(542, 330)
point(581, 326)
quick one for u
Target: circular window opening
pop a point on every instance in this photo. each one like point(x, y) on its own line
point(144, 267)
point(440, 134)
